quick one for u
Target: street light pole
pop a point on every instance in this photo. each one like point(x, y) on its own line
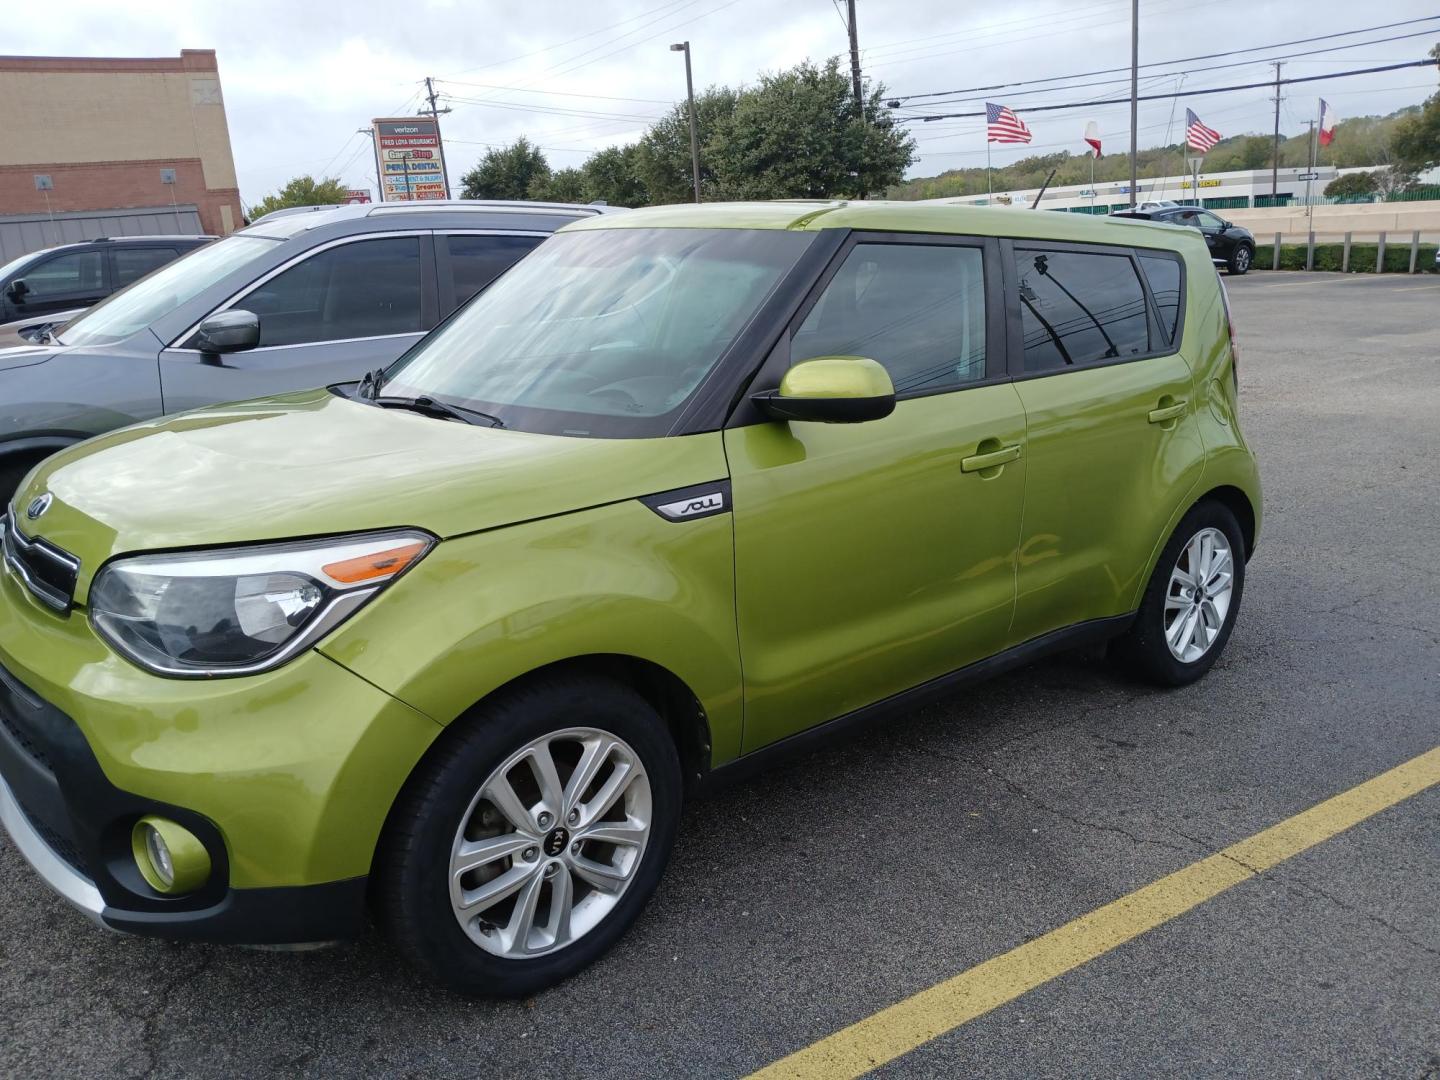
point(684, 46)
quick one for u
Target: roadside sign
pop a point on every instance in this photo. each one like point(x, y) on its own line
point(357, 195)
point(409, 151)
point(1308, 176)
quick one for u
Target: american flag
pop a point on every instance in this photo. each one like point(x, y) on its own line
point(1004, 126)
point(1197, 135)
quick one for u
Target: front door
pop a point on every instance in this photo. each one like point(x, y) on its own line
point(337, 313)
point(72, 279)
point(1113, 446)
point(873, 557)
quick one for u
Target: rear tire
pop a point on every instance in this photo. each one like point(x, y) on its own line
point(1191, 603)
point(552, 917)
point(1240, 260)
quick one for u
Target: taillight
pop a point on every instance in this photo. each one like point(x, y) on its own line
point(1230, 329)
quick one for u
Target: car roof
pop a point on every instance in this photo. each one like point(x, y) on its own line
point(317, 216)
point(894, 216)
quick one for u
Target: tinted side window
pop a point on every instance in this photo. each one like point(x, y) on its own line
point(364, 289)
point(78, 272)
point(1164, 277)
point(131, 264)
point(476, 261)
point(919, 310)
point(1080, 308)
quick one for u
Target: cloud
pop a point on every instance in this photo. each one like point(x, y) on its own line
point(299, 78)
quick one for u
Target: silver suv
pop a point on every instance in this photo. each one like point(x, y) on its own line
point(294, 301)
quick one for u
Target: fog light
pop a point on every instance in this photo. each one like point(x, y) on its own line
point(171, 859)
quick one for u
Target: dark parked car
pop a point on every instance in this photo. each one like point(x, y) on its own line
point(289, 303)
point(1231, 246)
point(74, 276)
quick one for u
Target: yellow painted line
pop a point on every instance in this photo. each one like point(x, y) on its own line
point(892, 1032)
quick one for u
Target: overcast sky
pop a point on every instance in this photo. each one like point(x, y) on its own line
point(300, 78)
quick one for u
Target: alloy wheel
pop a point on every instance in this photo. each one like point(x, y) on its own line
point(1198, 598)
point(550, 843)
point(1242, 259)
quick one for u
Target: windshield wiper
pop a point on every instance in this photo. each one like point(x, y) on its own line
point(431, 407)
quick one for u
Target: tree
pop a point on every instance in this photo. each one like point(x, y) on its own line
point(1397, 178)
point(1416, 141)
point(797, 135)
point(1360, 183)
point(563, 185)
point(662, 158)
point(612, 176)
point(506, 173)
point(301, 191)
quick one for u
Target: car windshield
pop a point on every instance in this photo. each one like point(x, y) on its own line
point(604, 333)
point(160, 293)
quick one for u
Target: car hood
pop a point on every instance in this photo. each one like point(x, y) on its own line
point(316, 464)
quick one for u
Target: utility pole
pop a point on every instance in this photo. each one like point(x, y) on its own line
point(684, 46)
point(1275, 161)
point(855, 61)
point(1134, 100)
point(435, 115)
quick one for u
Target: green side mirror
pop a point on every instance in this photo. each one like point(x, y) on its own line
point(832, 390)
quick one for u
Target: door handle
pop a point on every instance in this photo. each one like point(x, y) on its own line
point(991, 460)
point(1168, 412)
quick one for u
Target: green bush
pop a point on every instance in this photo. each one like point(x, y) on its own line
point(1362, 257)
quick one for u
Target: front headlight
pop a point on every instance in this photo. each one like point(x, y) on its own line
point(242, 610)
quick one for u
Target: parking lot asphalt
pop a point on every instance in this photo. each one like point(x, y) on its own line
point(809, 898)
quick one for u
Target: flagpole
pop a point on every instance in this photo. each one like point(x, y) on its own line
point(1309, 206)
point(988, 192)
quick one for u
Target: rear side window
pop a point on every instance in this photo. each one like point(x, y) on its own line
point(131, 264)
point(1080, 308)
point(368, 288)
point(476, 261)
point(1163, 273)
point(916, 309)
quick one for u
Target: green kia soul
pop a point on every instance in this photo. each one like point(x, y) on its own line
point(688, 488)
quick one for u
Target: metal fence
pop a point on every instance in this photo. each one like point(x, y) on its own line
point(1407, 252)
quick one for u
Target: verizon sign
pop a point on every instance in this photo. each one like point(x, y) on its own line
point(408, 149)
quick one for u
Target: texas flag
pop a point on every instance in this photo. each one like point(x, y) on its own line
point(1327, 123)
point(1092, 136)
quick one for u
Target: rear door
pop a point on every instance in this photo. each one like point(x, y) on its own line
point(872, 557)
point(131, 262)
point(329, 315)
point(468, 261)
point(1113, 445)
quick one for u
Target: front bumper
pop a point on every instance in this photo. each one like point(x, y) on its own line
point(286, 778)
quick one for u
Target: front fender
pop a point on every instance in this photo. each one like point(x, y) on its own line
point(483, 610)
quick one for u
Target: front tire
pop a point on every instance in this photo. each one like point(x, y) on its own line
point(531, 840)
point(1240, 260)
point(1191, 603)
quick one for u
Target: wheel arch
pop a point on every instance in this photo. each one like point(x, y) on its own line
point(677, 704)
point(1238, 503)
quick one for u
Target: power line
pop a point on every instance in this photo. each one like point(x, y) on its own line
point(1164, 63)
point(556, 93)
point(1188, 93)
point(1196, 71)
point(571, 41)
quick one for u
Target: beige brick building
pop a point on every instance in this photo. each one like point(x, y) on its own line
point(109, 132)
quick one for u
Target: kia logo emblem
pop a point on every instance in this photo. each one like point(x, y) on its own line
point(39, 505)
